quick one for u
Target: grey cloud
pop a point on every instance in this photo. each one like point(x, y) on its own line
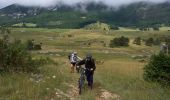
point(47, 3)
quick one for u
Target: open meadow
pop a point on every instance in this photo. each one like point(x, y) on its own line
point(118, 75)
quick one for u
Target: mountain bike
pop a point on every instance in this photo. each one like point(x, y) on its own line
point(82, 78)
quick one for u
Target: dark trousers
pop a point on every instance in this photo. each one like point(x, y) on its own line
point(89, 76)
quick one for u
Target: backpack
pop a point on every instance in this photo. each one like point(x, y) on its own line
point(73, 58)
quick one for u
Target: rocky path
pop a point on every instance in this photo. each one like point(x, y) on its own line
point(72, 93)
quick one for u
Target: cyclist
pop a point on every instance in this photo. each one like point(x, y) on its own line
point(73, 60)
point(90, 68)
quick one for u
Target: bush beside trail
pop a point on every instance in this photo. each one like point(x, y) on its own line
point(158, 69)
point(15, 58)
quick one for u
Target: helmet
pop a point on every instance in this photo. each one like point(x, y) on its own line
point(88, 55)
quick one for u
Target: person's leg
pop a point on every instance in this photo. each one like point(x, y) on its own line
point(72, 68)
point(91, 80)
point(89, 76)
point(77, 68)
point(74, 65)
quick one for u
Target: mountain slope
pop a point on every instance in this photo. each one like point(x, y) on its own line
point(63, 16)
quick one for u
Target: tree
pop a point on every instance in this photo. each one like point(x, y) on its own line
point(122, 41)
point(144, 28)
point(15, 58)
point(157, 41)
point(149, 42)
point(168, 45)
point(30, 44)
point(156, 27)
point(37, 46)
point(24, 24)
point(137, 41)
point(167, 39)
point(114, 27)
point(98, 26)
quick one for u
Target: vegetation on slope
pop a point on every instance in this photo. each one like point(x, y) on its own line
point(120, 73)
point(140, 14)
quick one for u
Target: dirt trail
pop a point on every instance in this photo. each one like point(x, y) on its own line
point(72, 93)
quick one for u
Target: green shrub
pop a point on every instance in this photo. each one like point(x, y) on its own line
point(152, 41)
point(143, 28)
point(37, 47)
point(15, 58)
point(167, 40)
point(30, 44)
point(98, 26)
point(157, 41)
point(4, 30)
point(158, 69)
point(137, 41)
point(155, 28)
point(113, 27)
point(122, 41)
point(149, 42)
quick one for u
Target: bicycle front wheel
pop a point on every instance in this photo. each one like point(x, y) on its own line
point(81, 81)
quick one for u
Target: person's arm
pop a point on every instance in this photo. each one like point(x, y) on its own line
point(79, 58)
point(81, 62)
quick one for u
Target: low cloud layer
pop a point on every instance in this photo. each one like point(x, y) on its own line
point(47, 3)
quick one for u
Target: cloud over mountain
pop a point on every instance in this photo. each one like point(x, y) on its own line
point(47, 3)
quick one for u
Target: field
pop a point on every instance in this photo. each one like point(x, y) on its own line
point(26, 25)
point(120, 77)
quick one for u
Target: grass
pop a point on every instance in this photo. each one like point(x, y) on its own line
point(165, 28)
point(120, 74)
point(26, 24)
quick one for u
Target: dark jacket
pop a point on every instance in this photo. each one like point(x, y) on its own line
point(88, 64)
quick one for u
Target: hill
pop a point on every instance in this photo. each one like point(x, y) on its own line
point(118, 75)
point(63, 16)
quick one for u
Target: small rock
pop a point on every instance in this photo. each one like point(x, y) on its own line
point(57, 93)
point(54, 77)
point(31, 79)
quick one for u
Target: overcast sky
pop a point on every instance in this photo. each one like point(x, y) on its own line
point(46, 3)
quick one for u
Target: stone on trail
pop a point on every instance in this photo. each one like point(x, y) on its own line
point(106, 95)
